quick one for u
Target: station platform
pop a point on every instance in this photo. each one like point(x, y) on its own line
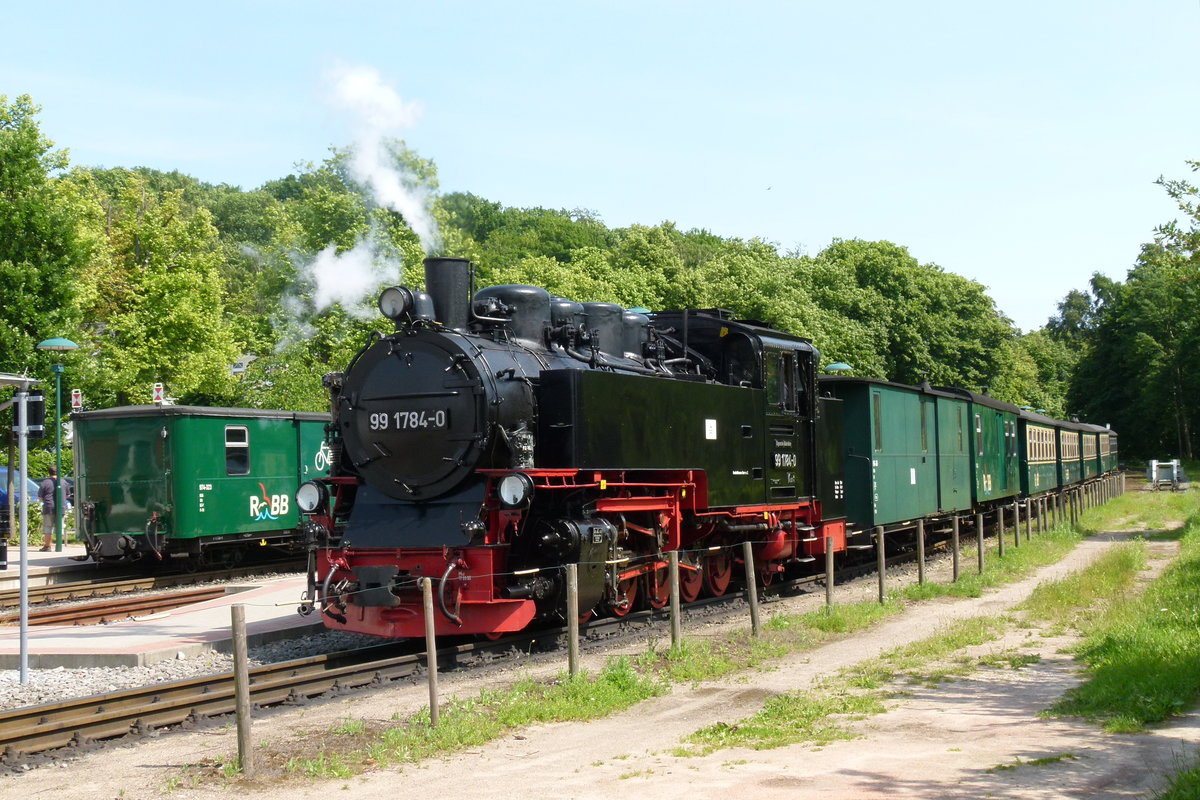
point(270, 607)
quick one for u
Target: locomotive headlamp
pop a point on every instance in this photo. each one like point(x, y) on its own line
point(395, 302)
point(515, 490)
point(311, 495)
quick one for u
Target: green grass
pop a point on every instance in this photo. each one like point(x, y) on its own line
point(1018, 562)
point(1142, 658)
point(1089, 594)
point(1183, 785)
point(356, 745)
point(1150, 511)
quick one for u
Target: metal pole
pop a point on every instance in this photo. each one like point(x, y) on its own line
point(573, 619)
point(921, 551)
point(956, 547)
point(241, 689)
point(23, 594)
point(58, 484)
point(1016, 523)
point(880, 561)
point(751, 586)
point(979, 540)
point(1000, 531)
point(1029, 519)
point(676, 613)
point(829, 572)
point(430, 650)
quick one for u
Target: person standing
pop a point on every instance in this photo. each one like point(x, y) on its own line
point(46, 495)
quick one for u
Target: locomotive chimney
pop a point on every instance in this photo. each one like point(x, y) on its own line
point(448, 281)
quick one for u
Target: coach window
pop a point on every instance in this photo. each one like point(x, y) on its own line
point(924, 426)
point(979, 434)
point(961, 449)
point(877, 419)
point(237, 450)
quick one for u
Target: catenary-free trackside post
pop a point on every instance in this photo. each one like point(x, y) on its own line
point(979, 541)
point(880, 562)
point(751, 586)
point(430, 650)
point(921, 552)
point(676, 613)
point(956, 546)
point(828, 573)
point(241, 689)
point(573, 619)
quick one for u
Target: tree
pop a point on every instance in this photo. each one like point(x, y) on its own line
point(43, 241)
point(156, 313)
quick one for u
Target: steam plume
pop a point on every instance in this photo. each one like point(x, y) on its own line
point(379, 115)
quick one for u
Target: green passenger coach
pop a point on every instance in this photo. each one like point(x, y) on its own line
point(890, 450)
point(995, 461)
point(206, 483)
point(1039, 439)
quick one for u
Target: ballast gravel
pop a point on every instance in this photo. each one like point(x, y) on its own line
point(54, 685)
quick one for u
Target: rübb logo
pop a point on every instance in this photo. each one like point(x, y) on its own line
point(268, 506)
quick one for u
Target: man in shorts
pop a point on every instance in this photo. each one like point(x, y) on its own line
point(47, 490)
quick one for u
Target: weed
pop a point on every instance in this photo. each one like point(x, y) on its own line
point(1034, 762)
point(351, 727)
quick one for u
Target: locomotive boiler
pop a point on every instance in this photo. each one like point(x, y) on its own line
point(493, 437)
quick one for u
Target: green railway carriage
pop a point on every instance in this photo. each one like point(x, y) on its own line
point(1039, 442)
point(184, 480)
point(1109, 459)
point(954, 452)
point(995, 460)
point(1070, 454)
point(1089, 436)
point(890, 450)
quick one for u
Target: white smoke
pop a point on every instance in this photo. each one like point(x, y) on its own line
point(381, 115)
point(347, 278)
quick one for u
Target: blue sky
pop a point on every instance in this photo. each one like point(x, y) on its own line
point(1015, 143)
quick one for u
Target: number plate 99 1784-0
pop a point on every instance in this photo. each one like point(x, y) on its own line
point(409, 420)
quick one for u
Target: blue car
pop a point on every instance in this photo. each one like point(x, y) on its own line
point(30, 486)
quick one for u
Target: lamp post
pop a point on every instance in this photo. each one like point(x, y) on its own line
point(839, 368)
point(58, 344)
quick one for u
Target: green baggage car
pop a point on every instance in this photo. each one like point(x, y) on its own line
point(204, 483)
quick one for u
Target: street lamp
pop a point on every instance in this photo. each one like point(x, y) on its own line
point(58, 344)
point(839, 367)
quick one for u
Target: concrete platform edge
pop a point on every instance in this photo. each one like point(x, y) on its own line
point(166, 653)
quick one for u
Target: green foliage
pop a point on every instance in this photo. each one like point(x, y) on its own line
point(156, 311)
point(1140, 341)
point(44, 240)
point(1143, 657)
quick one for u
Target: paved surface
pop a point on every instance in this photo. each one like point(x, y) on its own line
point(270, 614)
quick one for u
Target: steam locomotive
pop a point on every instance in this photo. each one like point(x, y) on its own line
point(495, 436)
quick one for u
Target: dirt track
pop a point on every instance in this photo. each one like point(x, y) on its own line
point(965, 738)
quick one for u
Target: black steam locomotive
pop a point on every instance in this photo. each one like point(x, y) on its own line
point(490, 439)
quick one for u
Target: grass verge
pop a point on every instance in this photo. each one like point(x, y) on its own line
point(1142, 656)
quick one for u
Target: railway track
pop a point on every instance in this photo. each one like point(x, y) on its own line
point(106, 587)
point(114, 610)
